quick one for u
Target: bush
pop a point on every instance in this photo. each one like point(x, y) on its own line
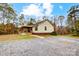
point(2, 32)
point(8, 29)
point(75, 33)
point(53, 33)
point(78, 32)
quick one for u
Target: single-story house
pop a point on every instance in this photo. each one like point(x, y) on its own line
point(42, 27)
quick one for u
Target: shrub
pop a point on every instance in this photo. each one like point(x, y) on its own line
point(78, 32)
point(75, 33)
point(53, 33)
point(8, 29)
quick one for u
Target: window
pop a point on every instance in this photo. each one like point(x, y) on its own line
point(45, 28)
point(36, 28)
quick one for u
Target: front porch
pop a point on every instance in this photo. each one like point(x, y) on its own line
point(25, 29)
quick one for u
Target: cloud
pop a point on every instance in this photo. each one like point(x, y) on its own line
point(61, 7)
point(32, 10)
point(48, 7)
point(37, 10)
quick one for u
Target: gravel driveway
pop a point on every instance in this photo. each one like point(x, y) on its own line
point(53, 46)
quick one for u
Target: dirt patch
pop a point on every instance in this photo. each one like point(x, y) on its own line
point(8, 37)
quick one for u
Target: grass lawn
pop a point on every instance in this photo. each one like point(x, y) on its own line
point(15, 37)
point(47, 35)
point(65, 36)
point(70, 36)
point(27, 36)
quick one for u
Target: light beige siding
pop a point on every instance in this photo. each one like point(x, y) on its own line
point(41, 28)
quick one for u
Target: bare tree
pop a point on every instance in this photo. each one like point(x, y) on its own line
point(61, 21)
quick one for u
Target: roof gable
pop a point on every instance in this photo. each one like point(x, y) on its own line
point(38, 23)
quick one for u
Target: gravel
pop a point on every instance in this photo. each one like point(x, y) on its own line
point(53, 46)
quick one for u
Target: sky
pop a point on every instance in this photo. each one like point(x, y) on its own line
point(40, 9)
point(37, 10)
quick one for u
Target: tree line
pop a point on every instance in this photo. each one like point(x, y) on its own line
point(73, 20)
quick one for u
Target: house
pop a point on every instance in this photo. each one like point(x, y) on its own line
point(42, 27)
